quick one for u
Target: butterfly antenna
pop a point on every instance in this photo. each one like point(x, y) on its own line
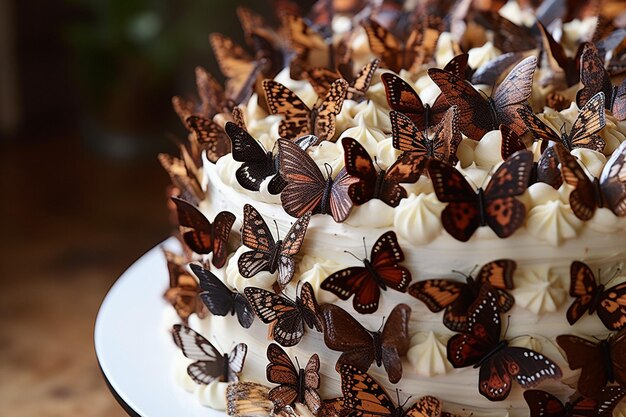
point(277, 231)
point(364, 248)
point(463, 274)
point(508, 323)
point(329, 170)
point(473, 270)
point(617, 272)
point(297, 363)
point(398, 396)
point(353, 255)
point(382, 324)
point(377, 164)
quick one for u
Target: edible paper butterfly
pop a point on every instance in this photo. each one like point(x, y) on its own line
point(298, 120)
point(322, 78)
point(500, 364)
point(220, 300)
point(600, 362)
point(495, 206)
point(187, 185)
point(584, 131)
point(183, 291)
point(544, 404)
point(307, 189)
point(296, 385)
point(287, 316)
point(610, 303)
point(457, 297)
point(382, 270)
point(310, 46)
point(267, 254)
point(211, 137)
point(210, 364)
point(258, 164)
point(248, 399)
point(402, 98)
point(363, 396)
point(362, 347)
point(372, 184)
point(478, 115)
point(588, 195)
point(595, 79)
point(417, 146)
point(202, 236)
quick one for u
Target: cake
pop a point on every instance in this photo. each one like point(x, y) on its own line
point(346, 247)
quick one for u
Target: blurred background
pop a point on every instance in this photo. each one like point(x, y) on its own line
point(85, 89)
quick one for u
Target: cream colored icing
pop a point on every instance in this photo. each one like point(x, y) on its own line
point(487, 152)
point(553, 222)
point(373, 213)
point(371, 115)
point(481, 55)
point(513, 12)
point(315, 271)
point(427, 355)
point(539, 290)
point(417, 218)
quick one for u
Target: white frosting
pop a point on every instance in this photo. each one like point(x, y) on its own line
point(481, 55)
point(445, 49)
point(366, 135)
point(373, 213)
point(371, 115)
point(539, 290)
point(428, 355)
point(315, 271)
point(330, 153)
point(487, 152)
point(553, 222)
point(417, 218)
point(593, 161)
point(386, 154)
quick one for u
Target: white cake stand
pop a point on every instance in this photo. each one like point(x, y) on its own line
point(132, 347)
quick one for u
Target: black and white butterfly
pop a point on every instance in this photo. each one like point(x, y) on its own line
point(287, 316)
point(267, 254)
point(220, 300)
point(210, 364)
point(258, 163)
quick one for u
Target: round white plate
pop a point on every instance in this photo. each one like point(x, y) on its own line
point(132, 344)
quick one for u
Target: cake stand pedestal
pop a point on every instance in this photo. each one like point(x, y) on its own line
point(133, 348)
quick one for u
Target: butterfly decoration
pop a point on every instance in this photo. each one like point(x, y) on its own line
point(248, 399)
point(492, 70)
point(258, 164)
point(494, 206)
point(402, 98)
point(596, 79)
point(457, 297)
point(268, 254)
point(212, 99)
point(479, 115)
point(507, 36)
point(210, 136)
point(588, 195)
point(210, 365)
point(379, 184)
point(298, 119)
point(417, 146)
point(600, 362)
point(286, 316)
point(610, 303)
point(310, 44)
point(480, 346)
point(561, 68)
point(583, 133)
point(295, 385)
point(395, 53)
point(185, 183)
point(322, 78)
point(544, 404)
point(183, 291)
point(200, 235)
point(307, 189)
point(381, 271)
point(220, 300)
point(364, 396)
point(362, 347)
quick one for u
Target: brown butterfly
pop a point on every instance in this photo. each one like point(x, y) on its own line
point(381, 271)
point(561, 67)
point(600, 362)
point(298, 119)
point(507, 36)
point(396, 54)
point(495, 206)
point(212, 99)
point(202, 236)
point(296, 385)
point(286, 316)
point(183, 292)
point(383, 184)
point(322, 79)
point(456, 297)
point(588, 195)
point(248, 399)
point(584, 131)
point(610, 303)
point(595, 79)
point(478, 115)
point(210, 136)
point(186, 184)
point(365, 397)
point(307, 189)
point(267, 254)
point(312, 48)
point(403, 98)
point(362, 347)
point(492, 70)
point(544, 404)
point(418, 147)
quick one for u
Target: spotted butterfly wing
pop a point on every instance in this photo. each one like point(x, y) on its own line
point(495, 207)
point(310, 46)
point(211, 137)
point(600, 362)
point(248, 399)
point(478, 115)
point(183, 291)
point(210, 364)
point(240, 69)
point(287, 317)
point(298, 119)
point(322, 78)
point(296, 385)
point(220, 300)
point(499, 364)
point(382, 270)
point(202, 236)
point(185, 182)
point(307, 189)
point(544, 404)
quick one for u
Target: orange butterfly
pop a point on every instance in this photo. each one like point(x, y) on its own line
point(322, 78)
point(183, 292)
